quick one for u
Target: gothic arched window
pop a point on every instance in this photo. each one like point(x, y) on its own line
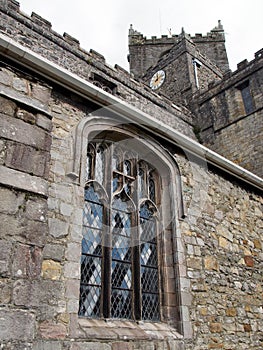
point(120, 270)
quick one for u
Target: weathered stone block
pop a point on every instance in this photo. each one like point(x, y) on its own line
point(72, 289)
point(249, 261)
point(27, 261)
point(211, 263)
point(34, 232)
point(37, 293)
point(73, 252)
point(27, 159)
point(247, 328)
point(51, 330)
point(72, 270)
point(21, 85)
point(44, 122)
point(90, 346)
point(17, 325)
point(17, 130)
point(122, 346)
point(10, 201)
point(6, 77)
point(26, 116)
point(215, 327)
point(10, 226)
point(54, 252)
point(51, 270)
point(47, 345)
point(36, 209)
point(7, 107)
point(5, 257)
point(58, 228)
point(5, 292)
point(41, 93)
point(194, 263)
point(2, 151)
point(231, 312)
point(20, 180)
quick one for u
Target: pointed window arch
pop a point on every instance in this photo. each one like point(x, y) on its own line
point(128, 270)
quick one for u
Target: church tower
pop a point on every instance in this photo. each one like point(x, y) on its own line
point(179, 65)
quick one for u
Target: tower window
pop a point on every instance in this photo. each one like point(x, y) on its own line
point(246, 96)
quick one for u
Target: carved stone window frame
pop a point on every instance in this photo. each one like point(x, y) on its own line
point(175, 293)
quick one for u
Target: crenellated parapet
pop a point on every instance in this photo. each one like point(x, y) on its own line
point(36, 33)
point(145, 52)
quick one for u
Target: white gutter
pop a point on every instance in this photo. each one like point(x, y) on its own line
point(71, 81)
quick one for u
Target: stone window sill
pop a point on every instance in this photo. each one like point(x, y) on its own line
point(126, 330)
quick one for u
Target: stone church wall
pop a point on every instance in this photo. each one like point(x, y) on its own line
point(220, 251)
point(225, 126)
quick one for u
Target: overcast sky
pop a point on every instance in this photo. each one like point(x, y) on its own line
point(103, 25)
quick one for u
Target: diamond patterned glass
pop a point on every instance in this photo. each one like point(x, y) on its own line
point(92, 215)
point(147, 230)
point(121, 267)
point(121, 223)
point(91, 195)
point(89, 301)
point(121, 264)
point(90, 270)
point(91, 258)
point(121, 304)
point(150, 307)
point(115, 182)
point(149, 265)
point(119, 204)
point(88, 167)
point(91, 242)
point(127, 167)
point(141, 184)
point(121, 249)
point(100, 165)
point(152, 189)
point(149, 279)
point(121, 275)
point(149, 254)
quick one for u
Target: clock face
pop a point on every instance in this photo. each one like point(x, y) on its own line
point(157, 79)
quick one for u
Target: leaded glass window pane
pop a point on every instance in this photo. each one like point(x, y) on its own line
point(91, 257)
point(152, 189)
point(247, 99)
point(141, 184)
point(127, 167)
point(118, 262)
point(149, 265)
point(100, 165)
point(121, 266)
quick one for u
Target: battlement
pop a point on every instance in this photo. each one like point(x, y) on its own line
point(244, 69)
point(137, 38)
point(245, 63)
point(36, 33)
point(44, 27)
